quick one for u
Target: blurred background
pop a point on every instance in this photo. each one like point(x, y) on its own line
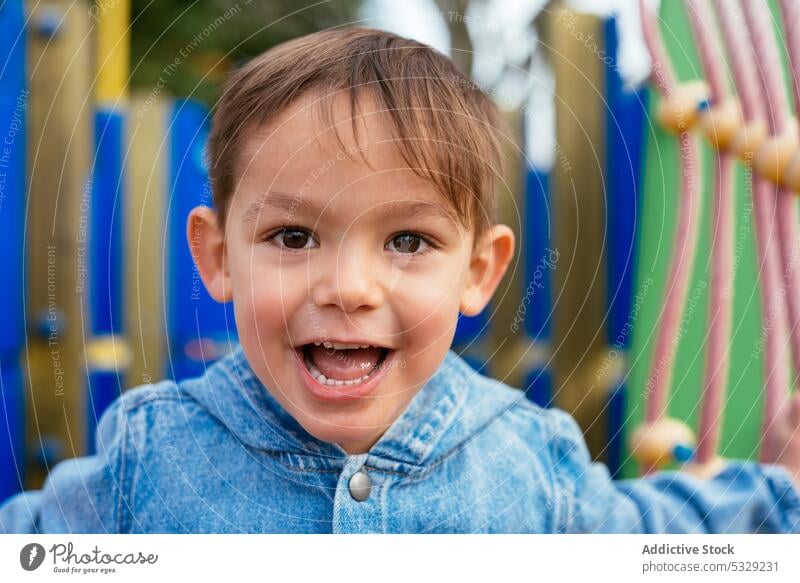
point(104, 114)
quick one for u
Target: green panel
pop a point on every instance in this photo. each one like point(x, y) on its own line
point(742, 414)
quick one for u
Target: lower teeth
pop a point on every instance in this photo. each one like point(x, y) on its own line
point(322, 379)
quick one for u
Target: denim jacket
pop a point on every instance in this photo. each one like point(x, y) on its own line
point(469, 454)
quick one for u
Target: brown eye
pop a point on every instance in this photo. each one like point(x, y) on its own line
point(293, 239)
point(407, 243)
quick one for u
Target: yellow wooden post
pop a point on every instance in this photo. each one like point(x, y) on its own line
point(113, 51)
point(578, 198)
point(59, 148)
point(146, 187)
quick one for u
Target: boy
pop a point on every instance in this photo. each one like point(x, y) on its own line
point(354, 218)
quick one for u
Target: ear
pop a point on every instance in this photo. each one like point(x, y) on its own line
point(488, 264)
point(207, 244)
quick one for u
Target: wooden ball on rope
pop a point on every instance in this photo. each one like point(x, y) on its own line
point(748, 139)
point(722, 122)
point(773, 156)
point(679, 111)
point(667, 440)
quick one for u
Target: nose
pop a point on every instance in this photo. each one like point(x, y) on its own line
point(351, 281)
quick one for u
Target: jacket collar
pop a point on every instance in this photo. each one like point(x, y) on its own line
point(445, 412)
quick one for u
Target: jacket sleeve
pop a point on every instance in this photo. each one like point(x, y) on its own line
point(80, 495)
point(745, 497)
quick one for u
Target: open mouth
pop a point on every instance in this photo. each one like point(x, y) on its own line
point(342, 365)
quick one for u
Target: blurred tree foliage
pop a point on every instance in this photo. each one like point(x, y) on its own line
point(187, 47)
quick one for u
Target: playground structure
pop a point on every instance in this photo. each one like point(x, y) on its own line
point(755, 127)
point(103, 294)
point(102, 291)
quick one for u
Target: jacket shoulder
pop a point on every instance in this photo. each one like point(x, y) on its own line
point(494, 410)
point(511, 407)
point(88, 494)
point(144, 396)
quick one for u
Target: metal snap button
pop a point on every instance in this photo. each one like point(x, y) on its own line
point(360, 486)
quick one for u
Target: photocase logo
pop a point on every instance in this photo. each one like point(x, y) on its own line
point(31, 556)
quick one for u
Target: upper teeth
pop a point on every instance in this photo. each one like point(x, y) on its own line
point(338, 346)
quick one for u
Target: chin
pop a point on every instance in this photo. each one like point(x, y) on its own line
point(358, 421)
point(345, 436)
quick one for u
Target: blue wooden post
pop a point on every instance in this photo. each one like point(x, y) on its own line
point(540, 259)
point(106, 353)
point(13, 105)
point(199, 329)
point(626, 114)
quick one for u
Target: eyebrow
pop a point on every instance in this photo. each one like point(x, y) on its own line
point(279, 201)
point(295, 204)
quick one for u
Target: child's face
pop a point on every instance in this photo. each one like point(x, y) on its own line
point(367, 256)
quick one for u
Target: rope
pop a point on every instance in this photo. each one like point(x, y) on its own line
point(791, 20)
point(685, 246)
point(721, 293)
point(778, 120)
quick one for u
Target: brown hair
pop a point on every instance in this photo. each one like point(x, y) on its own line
point(448, 130)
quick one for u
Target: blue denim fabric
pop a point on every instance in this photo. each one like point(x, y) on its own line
point(469, 454)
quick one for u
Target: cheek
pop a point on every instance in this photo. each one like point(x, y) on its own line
point(266, 296)
point(427, 302)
